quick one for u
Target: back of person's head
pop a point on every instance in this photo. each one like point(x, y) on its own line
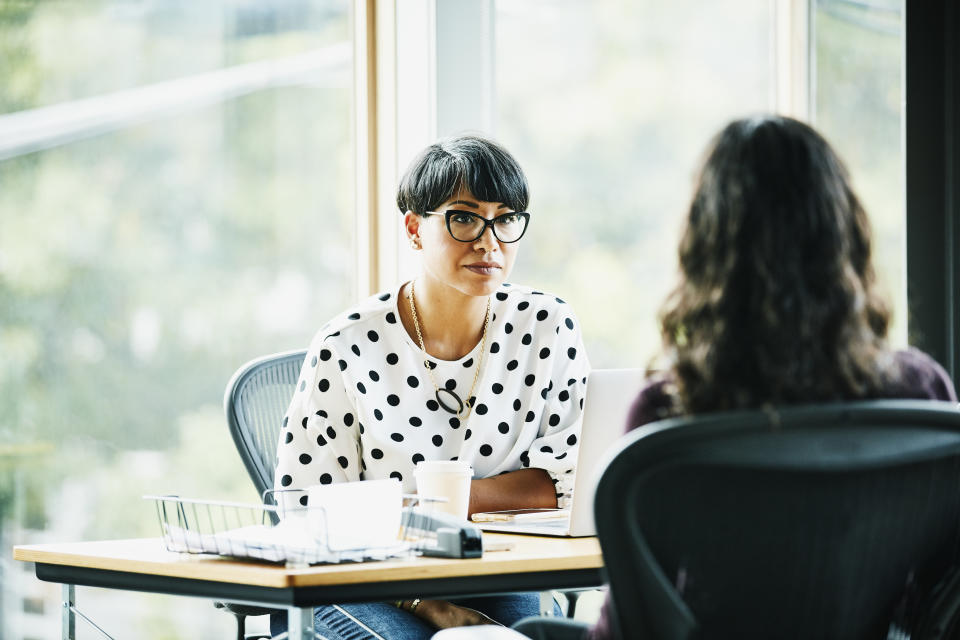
point(469, 162)
point(777, 301)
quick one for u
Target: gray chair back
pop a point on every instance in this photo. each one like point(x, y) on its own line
point(256, 399)
point(805, 522)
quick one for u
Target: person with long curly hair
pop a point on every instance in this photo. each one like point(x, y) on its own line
point(777, 301)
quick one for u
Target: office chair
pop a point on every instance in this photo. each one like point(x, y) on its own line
point(817, 522)
point(255, 400)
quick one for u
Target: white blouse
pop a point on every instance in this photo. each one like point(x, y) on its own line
point(365, 408)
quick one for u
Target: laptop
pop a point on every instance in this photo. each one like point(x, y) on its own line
point(609, 396)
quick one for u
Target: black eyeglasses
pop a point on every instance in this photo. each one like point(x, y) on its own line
point(466, 226)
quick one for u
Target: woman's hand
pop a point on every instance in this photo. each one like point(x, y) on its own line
point(444, 615)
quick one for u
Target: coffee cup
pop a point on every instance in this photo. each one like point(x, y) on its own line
point(444, 485)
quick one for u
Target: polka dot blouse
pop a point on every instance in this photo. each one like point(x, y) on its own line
point(365, 408)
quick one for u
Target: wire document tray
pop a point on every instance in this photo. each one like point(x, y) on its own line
point(274, 534)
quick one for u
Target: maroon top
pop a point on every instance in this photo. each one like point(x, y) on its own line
point(921, 377)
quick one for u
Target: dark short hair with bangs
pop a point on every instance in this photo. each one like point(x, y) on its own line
point(478, 164)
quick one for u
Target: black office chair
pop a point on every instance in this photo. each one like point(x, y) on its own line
point(256, 399)
point(807, 522)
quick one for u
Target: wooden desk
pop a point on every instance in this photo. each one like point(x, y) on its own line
point(533, 564)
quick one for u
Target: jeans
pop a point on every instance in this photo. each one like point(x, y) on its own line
point(376, 620)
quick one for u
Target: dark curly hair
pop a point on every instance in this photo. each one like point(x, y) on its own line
point(777, 301)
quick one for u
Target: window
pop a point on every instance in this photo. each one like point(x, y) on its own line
point(608, 106)
point(171, 205)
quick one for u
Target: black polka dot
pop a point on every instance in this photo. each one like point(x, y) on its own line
point(303, 500)
point(374, 376)
point(303, 423)
point(544, 353)
point(326, 479)
point(537, 293)
point(355, 349)
point(481, 409)
point(321, 441)
point(378, 414)
point(417, 457)
point(554, 420)
point(581, 403)
point(563, 396)
point(373, 336)
point(286, 481)
point(508, 328)
point(571, 353)
point(321, 413)
point(376, 454)
point(437, 440)
point(288, 438)
point(385, 297)
point(354, 316)
point(543, 393)
point(325, 354)
point(361, 388)
point(342, 460)
point(512, 365)
point(571, 381)
point(497, 387)
point(523, 305)
point(431, 364)
point(324, 385)
point(529, 380)
point(542, 315)
point(313, 362)
point(397, 475)
point(286, 419)
point(432, 405)
point(360, 426)
point(454, 422)
point(486, 450)
point(392, 358)
point(393, 400)
point(569, 323)
point(305, 458)
point(331, 433)
point(396, 437)
point(546, 449)
point(530, 416)
point(343, 365)
point(525, 458)
point(560, 301)
point(391, 318)
point(348, 419)
point(333, 335)
point(503, 427)
point(363, 465)
point(517, 404)
point(451, 384)
point(413, 381)
point(415, 421)
point(495, 348)
point(501, 296)
point(469, 362)
point(526, 339)
point(467, 434)
point(561, 456)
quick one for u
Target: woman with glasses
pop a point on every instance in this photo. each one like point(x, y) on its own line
point(456, 364)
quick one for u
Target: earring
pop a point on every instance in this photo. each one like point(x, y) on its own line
point(414, 243)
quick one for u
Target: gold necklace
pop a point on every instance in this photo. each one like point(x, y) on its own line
point(462, 405)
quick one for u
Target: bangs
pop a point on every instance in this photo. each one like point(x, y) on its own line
point(479, 165)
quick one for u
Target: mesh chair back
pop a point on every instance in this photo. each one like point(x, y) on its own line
point(255, 401)
point(808, 522)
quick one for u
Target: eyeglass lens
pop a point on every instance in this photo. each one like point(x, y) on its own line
point(466, 226)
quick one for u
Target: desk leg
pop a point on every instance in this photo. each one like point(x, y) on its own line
point(300, 623)
point(68, 629)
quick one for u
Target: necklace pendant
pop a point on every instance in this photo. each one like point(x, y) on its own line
point(456, 409)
